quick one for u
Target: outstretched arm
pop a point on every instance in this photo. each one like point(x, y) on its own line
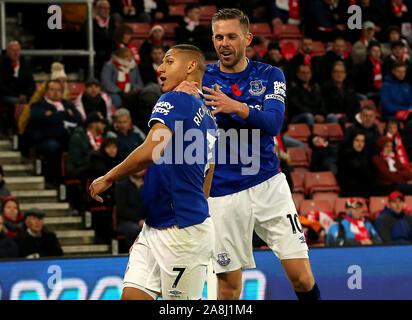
point(141, 158)
point(208, 180)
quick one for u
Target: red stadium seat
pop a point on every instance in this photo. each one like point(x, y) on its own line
point(140, 29)
point(308, 205)
point(261, 29)
point(340, 205)
point(297, 198)
point(298, 157)
point(298, 131)
point(320, 182)
point(376, 205)
point(330, 196)
point(169, 28)
point(298, 186)
point(286, 31)
point(288, 49)
point(331, 131)
point(301, 171)
point(319, 48)
point(177, 9)
point(207, 12)
point(75, 88)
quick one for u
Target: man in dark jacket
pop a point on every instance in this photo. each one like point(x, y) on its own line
point(51, 120)
point(36, 241)
point(305, 104)
point(149, 66)
point(130, 212)
point(16, 83)
point(394, 224)
point(367, 126)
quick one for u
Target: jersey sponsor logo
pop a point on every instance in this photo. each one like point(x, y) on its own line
point(236, 90)
point(223, 259)
point(162, 107)
point(279, 88)
point(256, 87)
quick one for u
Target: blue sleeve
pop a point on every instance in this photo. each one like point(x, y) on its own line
point(270, 118)
point(171, 109)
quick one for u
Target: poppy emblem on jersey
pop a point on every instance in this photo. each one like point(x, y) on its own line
point(256, 87)
point(236, 90)
point(223, 259)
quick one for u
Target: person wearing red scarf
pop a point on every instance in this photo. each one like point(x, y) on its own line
point(393, 133)
point(13, 217)
point(351, 228)
point(397, 12)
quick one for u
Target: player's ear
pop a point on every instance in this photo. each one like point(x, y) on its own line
point(249, 37)
point(192, 66)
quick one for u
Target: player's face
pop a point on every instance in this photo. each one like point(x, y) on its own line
point(172, 70)
point(230, 41)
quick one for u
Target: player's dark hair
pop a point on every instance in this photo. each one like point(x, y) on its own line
point(232, 13)
point(195, 52)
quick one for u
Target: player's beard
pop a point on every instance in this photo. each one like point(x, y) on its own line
point(237, 56)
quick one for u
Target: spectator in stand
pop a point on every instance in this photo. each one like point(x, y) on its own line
point(394, 225)
point(397, 12)
point(127, 135)
point(304, 99)
point(306, 55)
point(324, 155)
point(8, 248)
point(366, 124)
point(355, 176)
point(341, 103)
point(126, 11)
point(190, 31)
point(397, 55)
point(287, 11)
point(82, 142)
point(351, 228)
point(103, 28)
point(16, 85)
point(369, 76)
point(273, 56)
point(148, 68)
point(156, 36)
point(36, 241)
point(13, 218)
point(122, 37)
point(390, 172)
point(338, 52)
point(395, 34)
point(141, 10)
point(56, 73)
point(359, 49)
point(130, 212)
point(4, 191)
point(321, 20)
point(251, 52)
point(392, 132)
point(121, 78)
point(93, 99)
point(100, 162)
point(396, 93)
point(51, 121)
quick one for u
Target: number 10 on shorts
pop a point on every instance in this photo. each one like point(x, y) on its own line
point(295, 223)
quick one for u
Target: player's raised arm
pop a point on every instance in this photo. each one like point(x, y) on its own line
point(208, 180)
point(141, 158)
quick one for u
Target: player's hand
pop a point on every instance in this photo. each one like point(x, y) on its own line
point(223, 103)
point(366, 241)
point(189, 87)
point(98, 186)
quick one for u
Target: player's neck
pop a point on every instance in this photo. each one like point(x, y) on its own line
point(195, 78)
point(239, 67)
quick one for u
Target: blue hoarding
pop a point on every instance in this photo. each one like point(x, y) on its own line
point(381, 272)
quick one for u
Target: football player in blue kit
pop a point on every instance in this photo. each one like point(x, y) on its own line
point(250, 193)
point(170, 257)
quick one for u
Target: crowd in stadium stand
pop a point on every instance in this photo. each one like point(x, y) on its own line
point(355, 82)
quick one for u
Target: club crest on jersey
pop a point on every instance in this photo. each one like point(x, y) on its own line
point(223, 259)
point(256, 87)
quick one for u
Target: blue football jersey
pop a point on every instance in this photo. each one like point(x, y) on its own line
point(173, 186)
point(263, 89)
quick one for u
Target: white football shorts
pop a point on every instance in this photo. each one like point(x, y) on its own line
point(267, 208)
point(171, 262)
